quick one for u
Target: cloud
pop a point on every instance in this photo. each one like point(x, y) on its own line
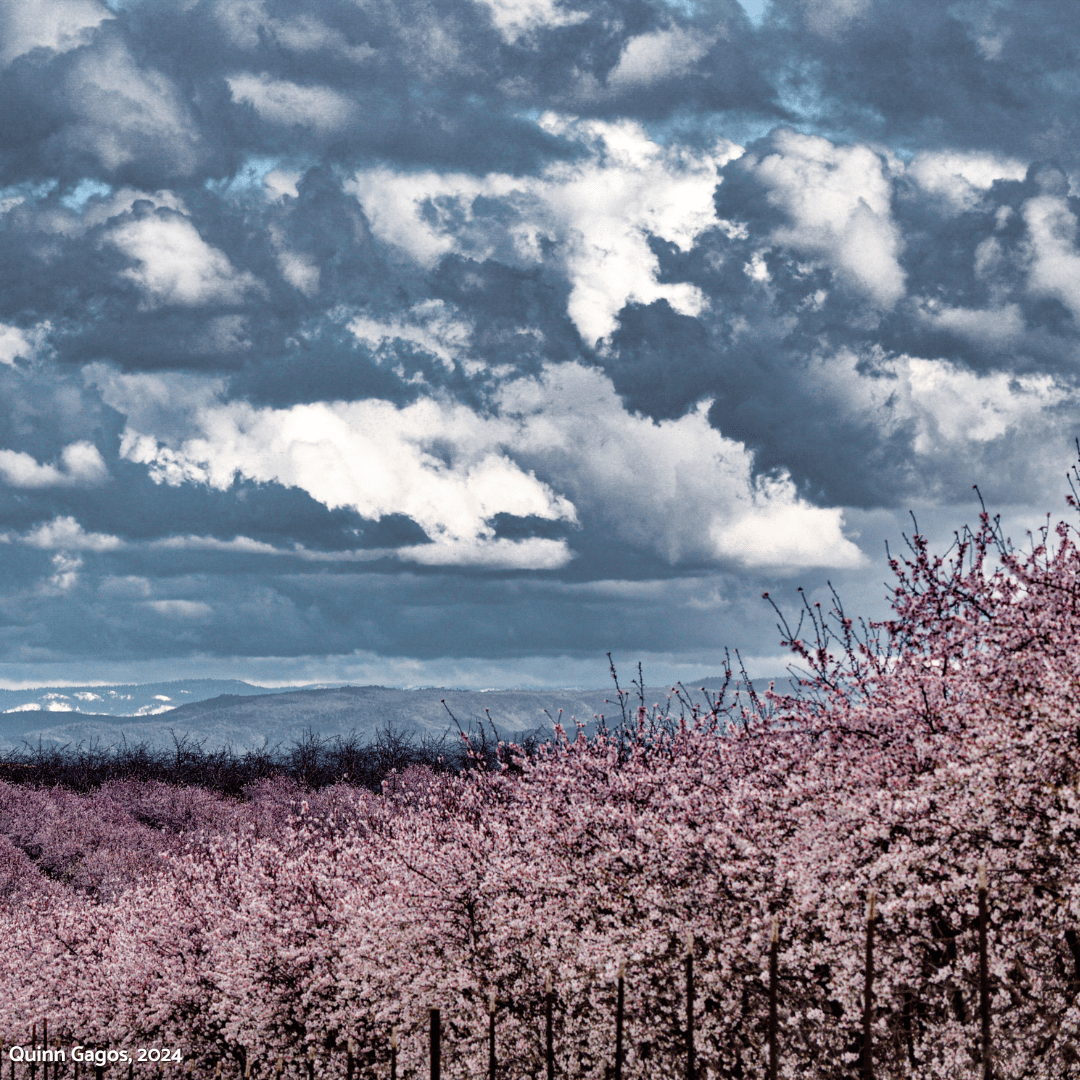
point(66, 534)
point(552, 445)
point(1054, 262)
point(438, 463)
point(656, 56)
point(962, 178)
point(59, 25)
point(402, 312)
point(535, 553)
point(175, 265)
point(601, 212)
point(831, 17)
point(65, 576)
point(431, 325)
point(178, 609)
point(991, 328)
point(81, 465)
point(516, 19)
point(676, 487)
point(15, 344)
point(837, 201)
point(278, 101)
point(249, 25)
point(125, 114)
point(944, 407)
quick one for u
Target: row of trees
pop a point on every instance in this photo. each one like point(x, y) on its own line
point(313, 760)
point(912, 752)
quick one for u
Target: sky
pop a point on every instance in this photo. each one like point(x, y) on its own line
point(463, 342)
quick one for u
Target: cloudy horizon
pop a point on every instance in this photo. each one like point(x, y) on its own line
point(463, 342)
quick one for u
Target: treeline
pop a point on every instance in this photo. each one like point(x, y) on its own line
point(312, 760)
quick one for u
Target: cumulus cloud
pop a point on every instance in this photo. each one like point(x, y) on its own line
point(656, 56)
point(831, 17)
point(554, 444)
point(281, 102)
point(15, 344)
point(431, 325)
point(516, 19)
point(838, 203)
point(65, 576)
point(944, 407)
point(127, 114)
point(338, 271)
point(1054, 260)
point(436, 462)
point(59, 25)
point(962, 178)
point(174, 265)
point(80, 465)
point(677, 487)
point(992, 328)
point(66, 534)
point(247, 24)
point(601, 211)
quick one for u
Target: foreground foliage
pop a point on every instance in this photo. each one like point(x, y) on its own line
point(914, 750)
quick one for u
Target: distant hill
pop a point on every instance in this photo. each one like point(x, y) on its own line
point(129, 699)
point(255, 718)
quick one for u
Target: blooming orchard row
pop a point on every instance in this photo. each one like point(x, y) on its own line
point(915, 750)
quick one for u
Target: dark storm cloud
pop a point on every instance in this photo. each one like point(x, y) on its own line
point(167, 95)
point(998, 77)
point(461, 329)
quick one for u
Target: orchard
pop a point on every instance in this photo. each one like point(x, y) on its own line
point(300, 926)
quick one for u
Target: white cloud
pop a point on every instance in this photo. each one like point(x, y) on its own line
point(600, 211)
point(839, 201)
point(179, 609)
point(947, 409)
point(126, 113)
point(247, 23)
point(552, 444)
point(533, 553)
point(516, 19)
point(15, 344)
point(76, 220)
point(1054, 269)
point(962, 178)
point(175, 265)
point(281, 102)
point(60, 25)
point(66, 534)
point(281, 182)
point(163, 402)
point(662, 54)
point(81, 465)
point(432, 325)
point(66, 574)
point(299, 269)
point(677, 487)
point(992, 328)
point(499, 554)
point(438, 463)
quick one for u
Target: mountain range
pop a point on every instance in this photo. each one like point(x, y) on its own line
point(241, 715)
